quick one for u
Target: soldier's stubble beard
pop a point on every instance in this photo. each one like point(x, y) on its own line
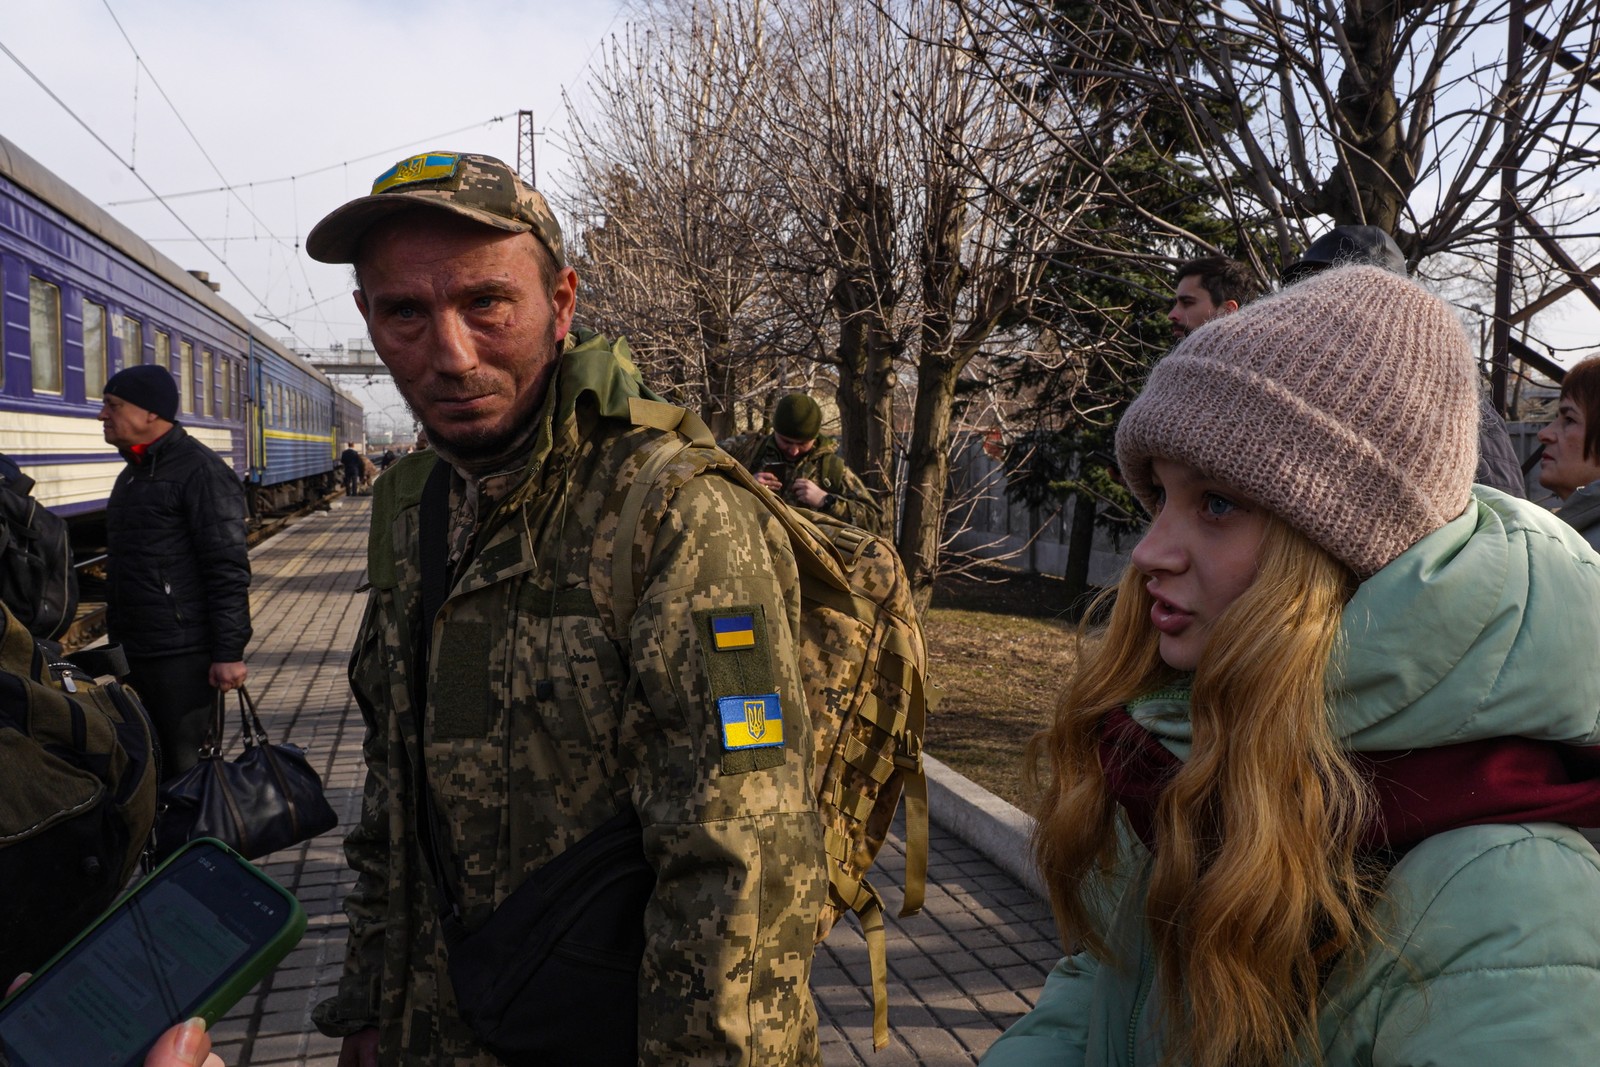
point(484, 451)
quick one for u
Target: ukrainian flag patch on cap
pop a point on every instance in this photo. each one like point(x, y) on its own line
point(751, 721)
point(428, 167)
point(730, 632)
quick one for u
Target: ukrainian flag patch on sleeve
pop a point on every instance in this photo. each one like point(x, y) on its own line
point(744, 707)
point(751, 721)
point(730, 632)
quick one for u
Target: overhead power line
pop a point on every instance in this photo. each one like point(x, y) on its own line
point(101, 141)
point(320, 170)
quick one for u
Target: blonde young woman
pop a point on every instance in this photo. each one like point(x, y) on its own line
point(1309, 798)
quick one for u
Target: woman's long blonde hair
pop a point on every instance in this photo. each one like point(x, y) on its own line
point(1257, 886)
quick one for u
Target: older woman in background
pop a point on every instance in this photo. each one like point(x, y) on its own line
point(1570, 467)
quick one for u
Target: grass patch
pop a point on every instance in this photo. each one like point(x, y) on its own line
point(998, 649)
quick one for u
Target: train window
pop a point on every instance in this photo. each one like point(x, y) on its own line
point(163, 350)
point(132, 341)
point(94, 348)
point(185, 376)
point(207, 370)
point(44, 323)
point(225, 383)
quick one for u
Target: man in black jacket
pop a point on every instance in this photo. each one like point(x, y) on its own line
point(178, 598)
point(350, 460)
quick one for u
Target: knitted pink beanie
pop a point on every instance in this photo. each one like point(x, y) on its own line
point(1345, 404)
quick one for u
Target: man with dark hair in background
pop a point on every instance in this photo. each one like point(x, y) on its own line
point(1208, 287)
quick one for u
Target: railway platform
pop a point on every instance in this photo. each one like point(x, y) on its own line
point(959, 972)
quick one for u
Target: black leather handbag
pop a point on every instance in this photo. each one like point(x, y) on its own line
point(266, 799)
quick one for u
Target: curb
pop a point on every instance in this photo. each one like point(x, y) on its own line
point(998, 831)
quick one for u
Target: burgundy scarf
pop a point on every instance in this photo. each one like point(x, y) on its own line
point(1420, 792)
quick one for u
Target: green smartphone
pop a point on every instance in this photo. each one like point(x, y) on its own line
point(190, 939)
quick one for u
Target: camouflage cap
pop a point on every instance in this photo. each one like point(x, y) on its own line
point(481, 188)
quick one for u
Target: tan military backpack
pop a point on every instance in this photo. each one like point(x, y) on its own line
point(863, 663)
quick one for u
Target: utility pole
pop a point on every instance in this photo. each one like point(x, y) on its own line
point(525, 168)
point(1509, 208)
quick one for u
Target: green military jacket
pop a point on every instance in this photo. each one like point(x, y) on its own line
point(852, 500)
point(632, 719)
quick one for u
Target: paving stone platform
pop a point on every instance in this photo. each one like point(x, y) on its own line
point(959, 972)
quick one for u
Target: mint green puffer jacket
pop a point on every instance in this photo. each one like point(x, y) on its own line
point(1488, 627)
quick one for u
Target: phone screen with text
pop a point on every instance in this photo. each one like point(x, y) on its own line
point(149, 964)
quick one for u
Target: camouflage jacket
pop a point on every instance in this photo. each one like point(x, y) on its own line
point(852, 501)
point(631, 720)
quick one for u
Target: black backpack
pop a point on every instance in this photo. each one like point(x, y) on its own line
point(78, 773)
point(37, 581)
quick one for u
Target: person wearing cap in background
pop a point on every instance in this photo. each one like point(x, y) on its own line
point(799, 463)
point(571, 659)
point(1372, 245)
point(178, 565)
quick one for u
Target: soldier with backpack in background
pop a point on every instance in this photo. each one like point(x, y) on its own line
point(803, 466)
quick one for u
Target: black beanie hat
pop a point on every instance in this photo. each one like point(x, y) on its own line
point(798, 416)
point(146, 386)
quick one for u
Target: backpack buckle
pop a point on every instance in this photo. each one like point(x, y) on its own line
point(908, 752)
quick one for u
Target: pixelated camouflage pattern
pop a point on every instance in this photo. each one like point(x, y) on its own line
point(739, 856)
point(853, 501)
point(480, 187)
point(864, 662)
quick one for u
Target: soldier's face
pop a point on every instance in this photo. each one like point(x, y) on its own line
point(461, 316)
point(793, 447)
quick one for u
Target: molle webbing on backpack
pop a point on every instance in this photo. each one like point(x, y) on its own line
point(862, 660)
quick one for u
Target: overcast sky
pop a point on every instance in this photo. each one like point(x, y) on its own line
point(277, 91)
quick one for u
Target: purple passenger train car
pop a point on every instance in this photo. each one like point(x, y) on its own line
point(81, 297)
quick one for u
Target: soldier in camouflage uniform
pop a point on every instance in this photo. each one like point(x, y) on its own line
point(805, 468)
point(544, 717)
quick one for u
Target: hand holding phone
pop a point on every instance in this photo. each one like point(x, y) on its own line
point(186, 1045)
point(188, 942)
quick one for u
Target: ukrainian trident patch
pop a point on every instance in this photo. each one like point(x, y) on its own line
point(751, 721)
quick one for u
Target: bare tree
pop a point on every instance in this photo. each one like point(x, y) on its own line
point(829, 180)
point(1375, 112)
point(676, 220)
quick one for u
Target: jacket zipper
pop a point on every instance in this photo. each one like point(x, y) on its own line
point(1145, 977)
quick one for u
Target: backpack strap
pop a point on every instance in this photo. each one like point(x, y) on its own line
point(433, 521)
point(624, 591)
